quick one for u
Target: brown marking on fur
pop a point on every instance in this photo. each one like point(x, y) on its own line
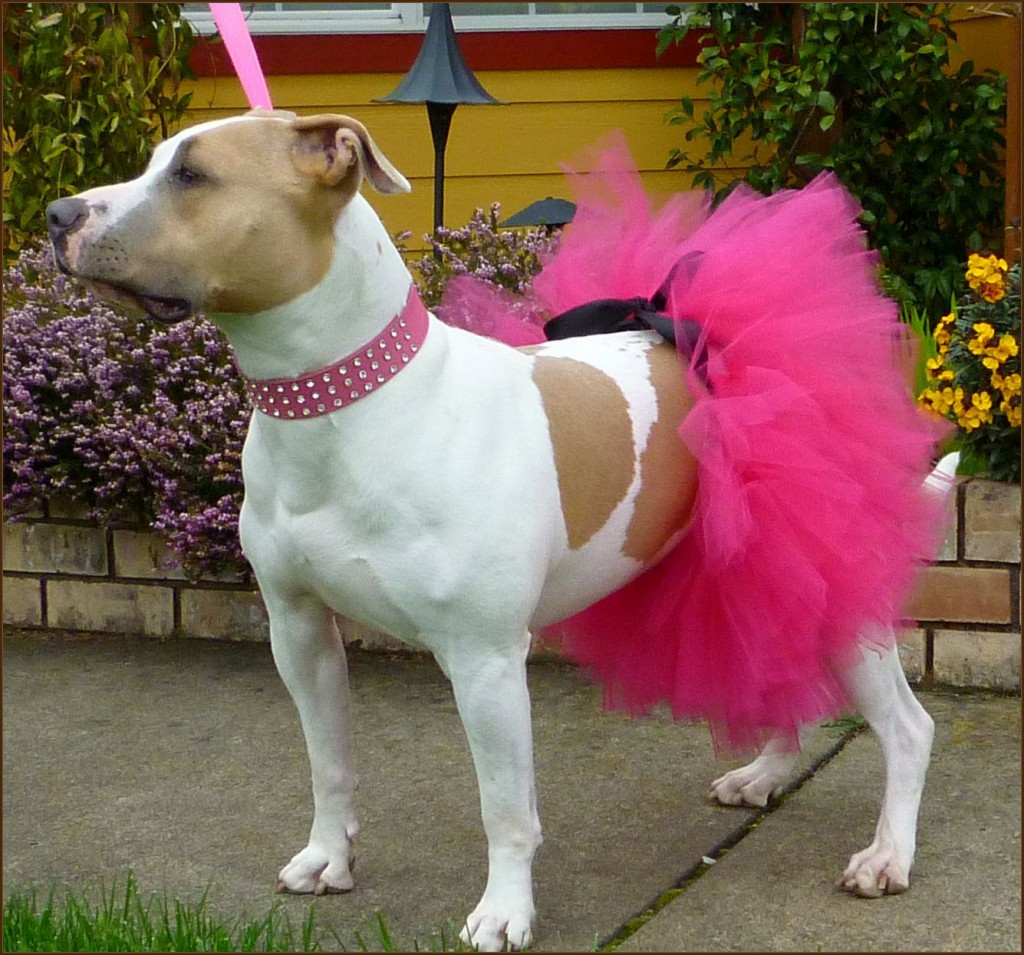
point(668, 470)
point(592, 437)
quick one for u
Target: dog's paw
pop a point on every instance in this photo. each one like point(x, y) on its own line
point(875, 872)
point(750, 785)
point(494, 927)
point(318, 872)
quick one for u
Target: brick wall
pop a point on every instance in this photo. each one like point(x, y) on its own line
point(967, 604)
point(63, 572)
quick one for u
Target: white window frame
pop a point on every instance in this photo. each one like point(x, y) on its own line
point(410, 18)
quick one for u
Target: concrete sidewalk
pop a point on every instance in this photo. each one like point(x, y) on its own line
point(184, 762)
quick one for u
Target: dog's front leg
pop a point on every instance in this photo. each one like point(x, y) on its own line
point(310, 657)
point(494, 703)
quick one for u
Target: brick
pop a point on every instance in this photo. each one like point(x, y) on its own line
point(977, 658)
point(962, 595)
point(23, 602)
point(911, 648)
point(110, 607)
point(55, 549)
point(224, 615)
point(992, 521)
point(144, 554)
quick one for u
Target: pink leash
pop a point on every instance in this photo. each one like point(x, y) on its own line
point(231, 24)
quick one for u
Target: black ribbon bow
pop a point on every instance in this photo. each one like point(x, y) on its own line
point(604, 316)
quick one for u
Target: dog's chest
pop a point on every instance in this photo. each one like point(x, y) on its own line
point(508, 474)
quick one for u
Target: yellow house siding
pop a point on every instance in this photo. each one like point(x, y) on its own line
point(982, 36)
point(509, 154)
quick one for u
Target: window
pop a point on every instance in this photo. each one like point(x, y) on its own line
point(292, 18)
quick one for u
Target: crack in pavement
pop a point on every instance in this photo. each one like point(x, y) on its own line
point(690, 875)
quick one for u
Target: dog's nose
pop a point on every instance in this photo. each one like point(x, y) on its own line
point(65, 216)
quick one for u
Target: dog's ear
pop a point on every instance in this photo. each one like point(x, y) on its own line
point(330, 147)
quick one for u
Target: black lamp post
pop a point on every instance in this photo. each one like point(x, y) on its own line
point(441, 79)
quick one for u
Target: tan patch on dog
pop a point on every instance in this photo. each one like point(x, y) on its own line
point(668, 470)
point(283, 221)
point(592, 437)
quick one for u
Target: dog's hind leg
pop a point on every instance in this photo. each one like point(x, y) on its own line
point(310, 657)
point(494, 703)
point(880, 692)
point(755, 783)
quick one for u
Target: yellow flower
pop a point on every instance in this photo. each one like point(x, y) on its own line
point(968, 420)
point(932, 365)
point(1011, 385)
point(990, 363)
point(985, 276)
point(1007, 348)
point(938, 401)
point(983, 334)
point(981, 266)
point(947, 319)
point(979, 412)
point(943, 337)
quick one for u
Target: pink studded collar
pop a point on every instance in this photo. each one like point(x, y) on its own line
point(355, 376)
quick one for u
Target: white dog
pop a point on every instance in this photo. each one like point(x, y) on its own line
point(445, 488)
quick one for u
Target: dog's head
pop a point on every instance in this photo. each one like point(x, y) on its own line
point(230, 216)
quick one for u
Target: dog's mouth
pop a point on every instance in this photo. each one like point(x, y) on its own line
point(165, 309)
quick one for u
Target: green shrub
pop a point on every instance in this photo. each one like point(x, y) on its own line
point(87, 88)
point(868, 91)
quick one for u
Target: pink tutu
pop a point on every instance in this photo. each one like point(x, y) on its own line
point(810, 521)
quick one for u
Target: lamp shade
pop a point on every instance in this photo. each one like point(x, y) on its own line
point(549, 212)
point(440, 74)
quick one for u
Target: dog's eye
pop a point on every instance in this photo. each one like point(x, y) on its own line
point(187, 176)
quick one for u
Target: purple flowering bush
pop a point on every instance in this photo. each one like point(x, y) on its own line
point(139, 421)
point(509, 258)
point(133, 420)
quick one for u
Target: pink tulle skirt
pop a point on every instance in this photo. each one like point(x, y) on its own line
point(810, 521)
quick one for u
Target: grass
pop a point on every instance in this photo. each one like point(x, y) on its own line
point(842, 725)
point(123, 921)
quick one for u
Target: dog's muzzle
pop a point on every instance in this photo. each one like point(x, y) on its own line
point(66, 216)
